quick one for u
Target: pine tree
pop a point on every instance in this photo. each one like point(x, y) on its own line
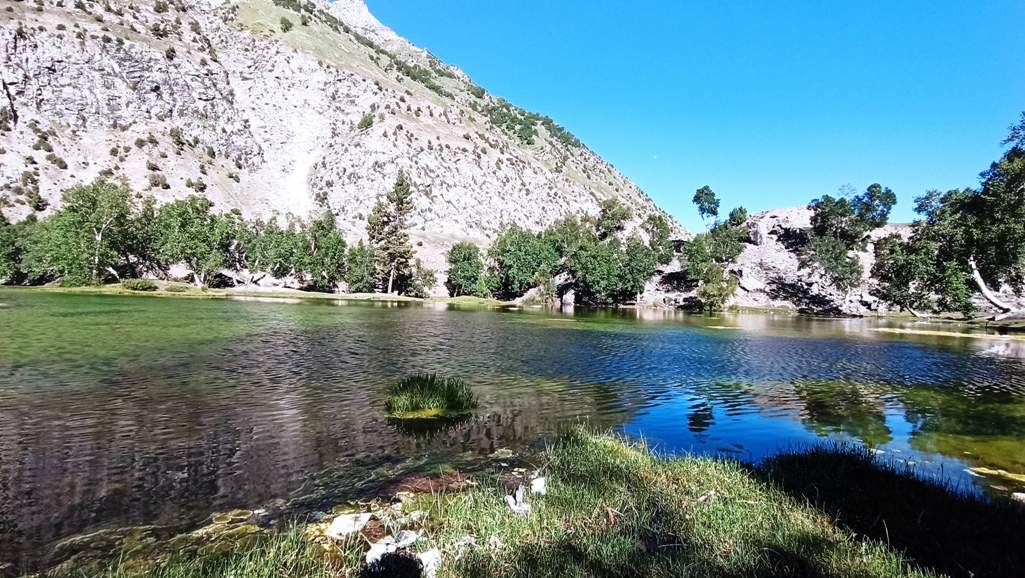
point(387, 229)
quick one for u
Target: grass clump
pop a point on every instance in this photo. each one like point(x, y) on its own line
point(426, 395)
point(139, 285)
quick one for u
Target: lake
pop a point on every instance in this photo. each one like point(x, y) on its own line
point(119, 411)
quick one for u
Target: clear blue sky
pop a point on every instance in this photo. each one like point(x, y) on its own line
point(769, 103)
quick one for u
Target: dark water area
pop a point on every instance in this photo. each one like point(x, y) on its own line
point(119, 411)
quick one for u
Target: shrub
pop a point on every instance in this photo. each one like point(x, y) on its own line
point(428, 395)
point(139, 285)
point(366, 122)
point(170, 53)
point(286, 24)
point(160, 7)
point(157, 180)
point(176, 288)
point(57, 161)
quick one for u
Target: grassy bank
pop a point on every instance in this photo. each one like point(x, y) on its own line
point(615, 509)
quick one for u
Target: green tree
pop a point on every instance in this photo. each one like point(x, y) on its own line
point(465, 268)
point(612, 218)
point(422, 281)
point(83, 242)
point(360, 267)
point(387, 229)
point(707, 202)
point(737, 218)
point(522, 260)
point(9, 253)
point(323, 261)
point(905, 270)
point(598, 269)
point(188, 232)
point(841, 225)
point(659, 233)
point(639, 263)
point(705, 259)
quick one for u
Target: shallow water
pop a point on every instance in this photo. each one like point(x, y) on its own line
point(120, 411)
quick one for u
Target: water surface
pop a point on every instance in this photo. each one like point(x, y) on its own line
point(120, 411)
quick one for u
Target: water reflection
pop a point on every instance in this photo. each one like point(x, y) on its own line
point(118, 411)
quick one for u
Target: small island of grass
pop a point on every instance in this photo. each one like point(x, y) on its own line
point(428, 395)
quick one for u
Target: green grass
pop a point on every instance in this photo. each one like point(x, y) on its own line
point(614, 508)
point(427, 395)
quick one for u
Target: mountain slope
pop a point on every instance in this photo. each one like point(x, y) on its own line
point(211, 97)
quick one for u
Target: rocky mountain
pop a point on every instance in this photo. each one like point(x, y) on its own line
point(277, 108)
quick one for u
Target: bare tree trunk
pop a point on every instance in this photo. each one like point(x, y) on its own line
point(197, 278)
point(391, 278)
point(915, 313)
point(1006, 310)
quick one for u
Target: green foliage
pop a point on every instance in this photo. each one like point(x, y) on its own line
point(286, 25)
point(707, 202)
point(612, 218)
point(841, 225)
point(477, 91)
point(522, 259)
point(428, 395)
point(360, 268)
point(139, 285)
point(716, 289)
point(465, 267)
point(160, 6)
point(609, 272)
point(905, 271)
point(387, 228)
point(659, 233)
point(188, 232)
point(86, 240)
point(422, 281)
point(10, 254)
point(705, 259)
point(366, 121)
point(738, 216)
point(832, 255)
point(322, 262)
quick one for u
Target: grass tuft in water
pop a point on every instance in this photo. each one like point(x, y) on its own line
point(426, 395)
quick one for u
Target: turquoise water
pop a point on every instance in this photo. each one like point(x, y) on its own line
point(119, 411)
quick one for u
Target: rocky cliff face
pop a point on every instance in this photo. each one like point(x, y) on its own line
point(214, 97)
point(770, 273)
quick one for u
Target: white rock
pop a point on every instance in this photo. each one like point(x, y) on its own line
point(431, 559)
point(406, 538)
point(347, 524)
point(380, 548)
point(516, 502)
point(539, 486)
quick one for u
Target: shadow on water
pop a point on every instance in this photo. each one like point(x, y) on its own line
point(936, 524)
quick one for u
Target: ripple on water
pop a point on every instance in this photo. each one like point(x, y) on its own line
point(117, 411)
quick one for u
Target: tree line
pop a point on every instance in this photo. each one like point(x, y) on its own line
point(590, 253)
point(104, 232)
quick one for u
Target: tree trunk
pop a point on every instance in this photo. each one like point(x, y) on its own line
point(916, 314)
point(197, 278)
point(1006, 310)
point(98, 238)
point(391, 278)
